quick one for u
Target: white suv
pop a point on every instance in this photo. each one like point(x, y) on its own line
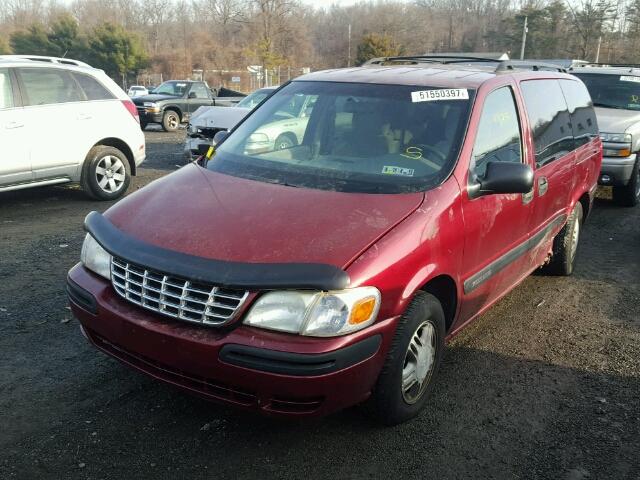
point(66, 122)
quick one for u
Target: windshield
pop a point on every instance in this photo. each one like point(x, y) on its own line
point(176, 89)
point(613, 91)
point(253, 99)
point(350, 137)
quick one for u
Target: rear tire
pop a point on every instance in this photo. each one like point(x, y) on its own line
point(170, 121)
point(414, 356)
point(106, 173)
point(565, 245)
point(629, 195)
point(143, 125)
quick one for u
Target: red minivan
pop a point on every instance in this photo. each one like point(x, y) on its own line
point(301, 277)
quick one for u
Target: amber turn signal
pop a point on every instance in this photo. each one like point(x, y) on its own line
point(362, 310)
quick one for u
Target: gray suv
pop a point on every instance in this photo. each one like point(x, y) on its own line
point(615, 91)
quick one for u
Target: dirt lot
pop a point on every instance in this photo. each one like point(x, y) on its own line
point(546, 385)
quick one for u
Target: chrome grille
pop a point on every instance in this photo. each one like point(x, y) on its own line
point(176, 297)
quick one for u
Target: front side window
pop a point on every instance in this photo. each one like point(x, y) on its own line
point(49, 86)
point(348, 137)
point(174, 88)
point(6, 92)
point(198, 90)
point(613, 91)
point(583, 117)
point(549, 119)
point(93, 90)
point(498, 138)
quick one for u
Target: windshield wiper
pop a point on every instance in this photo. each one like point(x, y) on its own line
point(606, 105)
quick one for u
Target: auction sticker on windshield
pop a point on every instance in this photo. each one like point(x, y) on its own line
point(441, 94)
point(629, 78)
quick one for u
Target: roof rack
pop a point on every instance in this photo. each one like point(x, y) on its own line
point(613, 65)
point(502, 65)
point(45, 59)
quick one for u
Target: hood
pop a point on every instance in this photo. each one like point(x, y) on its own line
point(613, 120)
point(215, 216)
point(153, 97)
point(218, 117)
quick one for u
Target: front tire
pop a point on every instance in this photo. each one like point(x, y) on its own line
point(412, 362)
point(106, 173)
point(629, 195)
point(565, 245)
point(170, 121)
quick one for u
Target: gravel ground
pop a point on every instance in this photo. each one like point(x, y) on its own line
point(545, 385)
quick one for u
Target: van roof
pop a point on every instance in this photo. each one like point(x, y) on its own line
point(436, 75)
point(607, 69)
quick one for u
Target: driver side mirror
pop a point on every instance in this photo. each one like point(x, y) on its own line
point(220, 136)
point(503, 177)
point(192, 95)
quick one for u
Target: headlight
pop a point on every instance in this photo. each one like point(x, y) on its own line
point(258, 138)
point(95, 258)
point(151, 107)
point(616, 137)
point(316, 314)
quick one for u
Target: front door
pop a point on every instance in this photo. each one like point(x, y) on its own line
point(198, 96)
point(15, 166)
point(496, 226)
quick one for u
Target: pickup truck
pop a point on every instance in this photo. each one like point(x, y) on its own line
point(173, 102)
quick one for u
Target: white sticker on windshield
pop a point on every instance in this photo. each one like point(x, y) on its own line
point(392, 170)
point(629, 78)
point(442, 94)
point(181, 84)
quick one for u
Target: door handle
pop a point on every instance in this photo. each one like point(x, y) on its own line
point(12, 125)
point(543, 186)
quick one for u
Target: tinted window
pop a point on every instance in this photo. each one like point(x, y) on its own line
point(348, 137)
point(583, 117)
point(199, 90)
point(549, 119)
point(6, 93)
point(613, 91)
point(92, 88)
point(498, 138)
point(47, 86)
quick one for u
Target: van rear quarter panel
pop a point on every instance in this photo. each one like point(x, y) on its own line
point(425, 245)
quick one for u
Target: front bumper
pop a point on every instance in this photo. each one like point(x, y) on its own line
point(148, 117)
point(275, 373)
point(191, 145)
point(616, 171)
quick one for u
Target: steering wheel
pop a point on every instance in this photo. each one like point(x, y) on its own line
point(441, 157)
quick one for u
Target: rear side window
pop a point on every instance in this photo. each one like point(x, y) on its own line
point(48, 86)
point(583, 117)
point(549, 119)
point(6, 92)
point(498, 138)
point(93, 89)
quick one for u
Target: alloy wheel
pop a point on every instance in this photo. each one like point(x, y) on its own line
point(419, 361)
point(110, 174)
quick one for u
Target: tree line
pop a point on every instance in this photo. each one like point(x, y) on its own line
point(174, 37)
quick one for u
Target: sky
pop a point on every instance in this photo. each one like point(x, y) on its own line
point(315, 3)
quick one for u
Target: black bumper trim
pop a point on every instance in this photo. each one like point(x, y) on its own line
point(249, 276)
point(299, 364)
point(81, 297)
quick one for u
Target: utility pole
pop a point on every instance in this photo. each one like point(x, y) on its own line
point(598, 49)
point(349, 52)
point(524, 36)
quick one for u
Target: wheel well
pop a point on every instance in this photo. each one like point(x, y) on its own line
point(175, 109)
point(584, 200)
point(444, 289)
point(123, 147)
point(290, 135)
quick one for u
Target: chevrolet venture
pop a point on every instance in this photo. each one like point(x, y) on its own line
point(302, 280)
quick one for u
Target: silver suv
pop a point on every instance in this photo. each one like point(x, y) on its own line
point(615, 91)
